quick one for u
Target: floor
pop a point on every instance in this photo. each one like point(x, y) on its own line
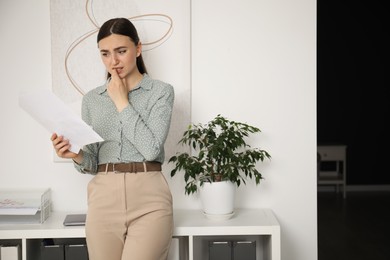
point(355, 228)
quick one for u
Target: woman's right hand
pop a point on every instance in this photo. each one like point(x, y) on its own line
point(118, 92)
point(62, 146)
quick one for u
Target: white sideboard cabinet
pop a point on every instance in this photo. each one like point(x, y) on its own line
point(192, 229)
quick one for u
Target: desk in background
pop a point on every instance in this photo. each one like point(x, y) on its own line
point(336, 154)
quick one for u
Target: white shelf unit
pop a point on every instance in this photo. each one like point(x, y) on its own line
point(338, 177)
point(192, 229)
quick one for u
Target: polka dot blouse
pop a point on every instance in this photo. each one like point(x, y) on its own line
point(136, 134)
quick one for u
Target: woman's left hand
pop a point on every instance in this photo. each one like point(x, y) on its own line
point(62, 147)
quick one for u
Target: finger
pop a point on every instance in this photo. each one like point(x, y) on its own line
point(57, 140)
point(115, 80)
point(63, 150)
point(61, 144)
point(53, 137)
point(114, 74)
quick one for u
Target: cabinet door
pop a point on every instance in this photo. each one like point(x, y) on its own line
point(76, 252)
point(219, 250)
point(51, 252)
point(244, 250)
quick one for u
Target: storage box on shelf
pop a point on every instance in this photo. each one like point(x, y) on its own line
point(193, 233)
point(19, 208)
point(24, 206)
point(10, 252)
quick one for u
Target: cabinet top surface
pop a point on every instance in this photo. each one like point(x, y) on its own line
point(333, 146)
point(244, 221)
point(187, 222)
point(241, 217)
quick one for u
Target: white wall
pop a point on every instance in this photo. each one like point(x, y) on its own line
point(253, 61)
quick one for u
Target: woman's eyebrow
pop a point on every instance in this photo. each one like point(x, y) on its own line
point(117, 48)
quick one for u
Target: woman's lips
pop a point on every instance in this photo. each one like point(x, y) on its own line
point(118, 70)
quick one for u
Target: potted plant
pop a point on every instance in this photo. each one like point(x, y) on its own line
point(220, 155)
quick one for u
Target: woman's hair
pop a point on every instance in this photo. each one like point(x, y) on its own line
point(122, 26)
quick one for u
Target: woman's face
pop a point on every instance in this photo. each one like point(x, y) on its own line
point(119, 53)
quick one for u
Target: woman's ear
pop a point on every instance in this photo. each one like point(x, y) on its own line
point(139, 49)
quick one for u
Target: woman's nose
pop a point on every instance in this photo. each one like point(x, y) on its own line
point(114, 59)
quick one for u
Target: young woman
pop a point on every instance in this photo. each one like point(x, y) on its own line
point(129, 201)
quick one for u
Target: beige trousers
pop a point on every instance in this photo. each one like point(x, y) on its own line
point(129, 216)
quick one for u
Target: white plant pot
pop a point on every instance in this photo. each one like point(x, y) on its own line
point(217, 199)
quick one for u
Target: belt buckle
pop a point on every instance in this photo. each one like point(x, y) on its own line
point(132, 168)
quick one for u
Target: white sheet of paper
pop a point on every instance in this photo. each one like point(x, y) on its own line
point(18, 211)
point(52, 113)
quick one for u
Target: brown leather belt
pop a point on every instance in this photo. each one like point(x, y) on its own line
point(132, 167)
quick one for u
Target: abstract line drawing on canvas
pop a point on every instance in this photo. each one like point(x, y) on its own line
point(149, 45)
